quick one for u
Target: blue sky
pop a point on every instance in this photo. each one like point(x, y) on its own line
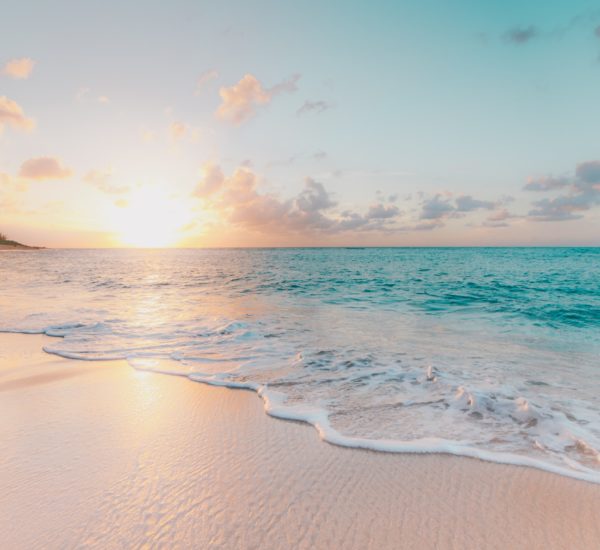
point(348, 111)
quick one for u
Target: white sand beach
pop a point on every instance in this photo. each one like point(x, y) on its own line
point(96, 454)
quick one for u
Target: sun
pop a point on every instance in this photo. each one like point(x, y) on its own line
point(151, 219)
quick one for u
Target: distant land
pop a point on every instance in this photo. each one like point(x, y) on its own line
point(7, 244)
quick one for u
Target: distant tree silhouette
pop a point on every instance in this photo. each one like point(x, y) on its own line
point(3, 237)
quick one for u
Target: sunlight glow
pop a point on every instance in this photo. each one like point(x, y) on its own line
point(151, 219)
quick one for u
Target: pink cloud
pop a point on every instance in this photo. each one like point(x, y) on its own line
point(240, 101)
point(212, 180)
point(19, 68)
point(44, 168)
point(238, 201)
point(11, 114)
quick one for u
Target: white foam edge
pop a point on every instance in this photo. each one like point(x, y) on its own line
point(274, 405)
point(82, 356)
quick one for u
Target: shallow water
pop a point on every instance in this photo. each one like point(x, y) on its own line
point(484, 352)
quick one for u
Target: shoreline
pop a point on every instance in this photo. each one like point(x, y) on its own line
point(274, 405)
point(99, 454)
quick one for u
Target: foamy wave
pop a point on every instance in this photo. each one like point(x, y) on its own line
point(427, 390)
point(275, 406)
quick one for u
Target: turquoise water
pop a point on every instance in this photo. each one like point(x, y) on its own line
point(490, 352)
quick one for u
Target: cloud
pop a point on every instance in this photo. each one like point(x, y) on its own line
point(240, 101)
point(466, 203)
point(500, 215)
point(546, 183)
point(44, 168)
point(177, 131)
point(428, 225)
point(244, 206)
point(238, 201)
point(314, 197)
point(11, 114)
point(521, 35)
point(566, 207)
point(288, 85)
point(499, 218)
point(436, 208)
point(19, 68)
point(211, 182)
point(101, 179)
point(588, 173)
point(382, 212)
point(313, 107)
point(583, 194)
point(439, 208)
point(204, 79)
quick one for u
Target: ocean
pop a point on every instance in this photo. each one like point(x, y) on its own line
point(484, 352)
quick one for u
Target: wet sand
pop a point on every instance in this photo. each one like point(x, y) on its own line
point(99, 455)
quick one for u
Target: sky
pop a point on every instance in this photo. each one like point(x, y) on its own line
point(270, 123)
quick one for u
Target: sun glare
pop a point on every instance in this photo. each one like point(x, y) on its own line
point(151, 219)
